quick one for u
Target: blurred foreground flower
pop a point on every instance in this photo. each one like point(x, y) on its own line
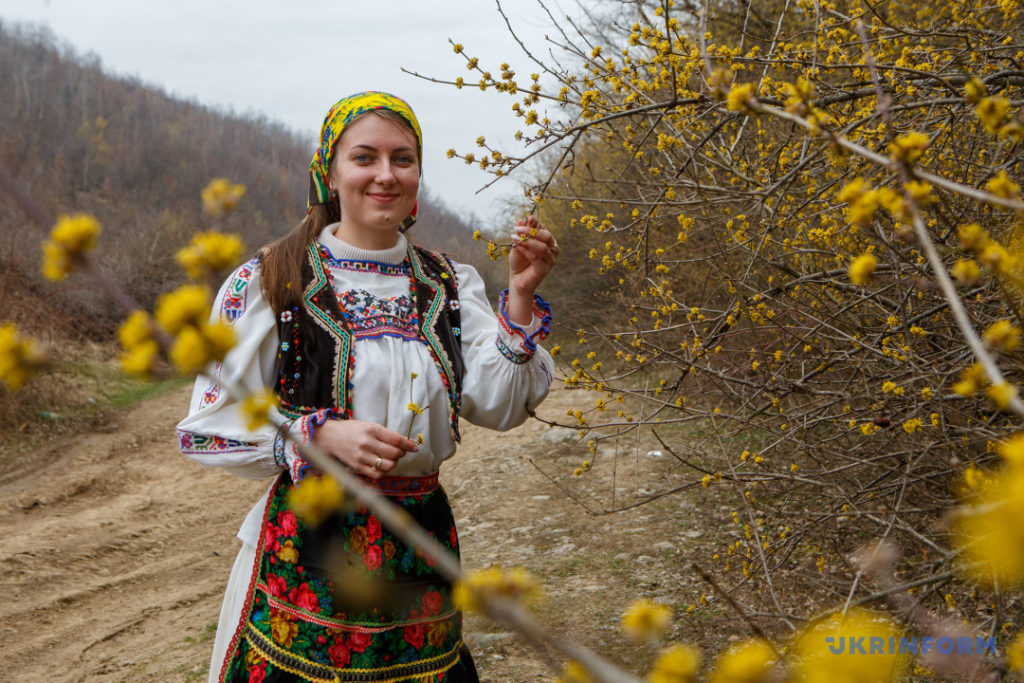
point(71, 237)
point(184, 313)
point(195, 347)
point(1015, 654)
point(987, 527)
point(221, 196)
point(835, 649)
point(20, 358)
point(256, 409)
point(646, 620)
point(140, 347)
point(315, 498)
point(188, 305)
point(862, 268)
point(574, 673)
point(677, 664)
point(479, 587)
point(750, 661)
point(209, 253)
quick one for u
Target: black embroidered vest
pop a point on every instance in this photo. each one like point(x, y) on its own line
point(317, 349)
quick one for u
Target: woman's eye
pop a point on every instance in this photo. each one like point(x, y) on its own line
point(406, 160)
point(361, 158)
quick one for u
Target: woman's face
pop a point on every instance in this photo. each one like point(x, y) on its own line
point(376, 174)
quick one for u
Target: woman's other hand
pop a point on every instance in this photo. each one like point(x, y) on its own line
point(366, 448)
point(529, 262)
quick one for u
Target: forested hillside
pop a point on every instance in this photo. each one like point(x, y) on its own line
point(78, 139)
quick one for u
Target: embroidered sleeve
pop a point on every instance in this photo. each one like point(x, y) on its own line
point(286, 451)
point(508, 372)
point(516, 343)
point(216, 432)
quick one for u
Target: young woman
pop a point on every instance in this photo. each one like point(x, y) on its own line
point(350, 324)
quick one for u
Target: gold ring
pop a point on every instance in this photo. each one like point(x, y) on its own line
point(377, 464)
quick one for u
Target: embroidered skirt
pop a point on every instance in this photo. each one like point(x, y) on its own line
point(348, 601)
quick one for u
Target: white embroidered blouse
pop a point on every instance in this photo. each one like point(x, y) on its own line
point(507, 372)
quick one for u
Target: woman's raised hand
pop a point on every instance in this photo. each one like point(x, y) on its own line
point(529, 262)
point(532, 256)
point(366, 448)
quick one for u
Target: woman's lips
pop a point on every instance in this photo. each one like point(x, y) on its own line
point(383, 198)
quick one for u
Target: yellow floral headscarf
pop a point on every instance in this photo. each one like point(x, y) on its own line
point(340, 115)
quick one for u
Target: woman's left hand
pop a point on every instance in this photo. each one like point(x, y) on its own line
point(531, 258)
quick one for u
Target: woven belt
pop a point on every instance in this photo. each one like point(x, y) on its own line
point(315, 671)
point(404, 486)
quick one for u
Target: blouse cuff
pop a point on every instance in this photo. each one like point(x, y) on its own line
point(516, 343)
point(300, 431)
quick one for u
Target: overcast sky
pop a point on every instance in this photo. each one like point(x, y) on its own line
point(292, 60)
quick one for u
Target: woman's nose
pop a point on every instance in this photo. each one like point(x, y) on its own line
point(385, 174)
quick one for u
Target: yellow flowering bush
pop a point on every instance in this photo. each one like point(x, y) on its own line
point(730, 189)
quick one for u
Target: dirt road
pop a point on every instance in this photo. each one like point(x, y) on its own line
point(116, 548)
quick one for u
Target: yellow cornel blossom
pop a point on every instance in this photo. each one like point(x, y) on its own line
point(71, 237)
point(479, 587)
point(20, 358)
point(739, 97)
point(677, 664)
point(991, 111)
point(971, 380)
point(862, 268)
point(210, 252)
point(974, 90)
point(966, 271)
point(140, 348)
point(256, 408)
point(184, 313)
point(221, 196)
point(1001, 186)
point(315, 498)
point(1003, 335)
point(836, 649)
point(188, 305)
point(747, 662)
point(973, 237)
point(646, 619)
point(908, 147)
point(574, 673)
point(987, 526)
point(1015, 654)
point(1001, 394)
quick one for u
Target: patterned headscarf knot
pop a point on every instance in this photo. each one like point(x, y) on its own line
point(340, 115)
